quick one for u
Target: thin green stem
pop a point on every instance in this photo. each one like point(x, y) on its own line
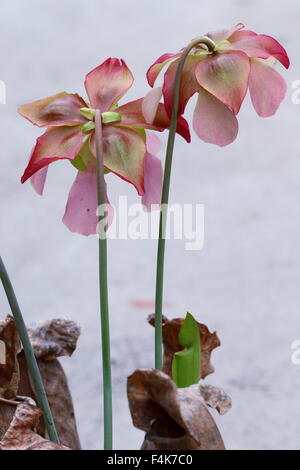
point(106, 355)
point(29, 354)
point(165, 201)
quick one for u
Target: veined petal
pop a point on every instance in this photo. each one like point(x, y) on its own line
point(214, 122)
point(153, 143)
point(38, 180)
point(240, 35)
point(124, 154)
point(157, 67)
point(224, 34)
point(189, 84)
point(58, 143)
point(267, 88)
point(226, 76)
point(106, 84)
point(153, 182)
point(263, 47)
point(132, 116)
point(81, 211)
point(151, 103)
point(62, 109)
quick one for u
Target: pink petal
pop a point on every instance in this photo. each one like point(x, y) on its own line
point(240, 35)
point(189, 84)
point(106, 84)
point(153, 143)
point(267, 88)
point(157, 67)
point(124, 154)
point(153, 182)
point(38, 180)
point(214, 122)
point(151, 103)
point(81, 211)
point(223, 35)
point(132, 116)
point(58, 143)
point(57, 110)
point(263, 47)
point(225, 76)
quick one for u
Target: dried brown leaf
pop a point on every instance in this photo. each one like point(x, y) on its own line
point(216, 398)
point(21, 434)
point(53, 339)
point(9, 367)
point(174, 419)
point(171, 330)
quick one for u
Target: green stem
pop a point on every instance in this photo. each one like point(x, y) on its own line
point(106, 356)
point(165, 201)
point(29, 354)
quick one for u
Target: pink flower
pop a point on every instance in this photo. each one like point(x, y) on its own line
point(241, 60)
point(70, 136)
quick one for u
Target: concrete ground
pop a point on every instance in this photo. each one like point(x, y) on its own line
point(244, 284)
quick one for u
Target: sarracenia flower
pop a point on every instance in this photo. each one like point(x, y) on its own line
point(70, 136)
point(221, 76)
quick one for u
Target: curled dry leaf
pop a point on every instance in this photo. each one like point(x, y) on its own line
point(21, 433)
point(216, 398)
point(173, 419)
point(53, 339)
point(10, 346)
point(171, 330)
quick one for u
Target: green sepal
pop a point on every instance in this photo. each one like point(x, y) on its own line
point(187, 363)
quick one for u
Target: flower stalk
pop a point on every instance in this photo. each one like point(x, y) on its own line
point(106, 354)
point(29, 354)
point(165, 201)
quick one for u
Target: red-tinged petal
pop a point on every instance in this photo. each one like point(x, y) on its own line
point(153, 143)
point(153, 182)
point(240, 35)
point(106, 84)
point(132, 116)
point(267, 88)
point(38, 180)
point(81, 211)
point(224, 34)
point(263, 47)
point(214, 122)
point(124, 154)
point(189, 84)
point(157, 67)
point(151, 103)
point(226, 76)
point(58, 143)
point(58, 110)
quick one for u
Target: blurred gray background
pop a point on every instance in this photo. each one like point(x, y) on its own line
point(244, 284)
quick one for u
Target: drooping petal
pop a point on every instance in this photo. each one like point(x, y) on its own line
point(239, 35)
point(151, 103)
point(214, 122)
point(106, 84)
point(62, 109)
point(132, 116)
point(189, 84)
point(58, 143)
point(224, 34)
point(226, 76)
point(38, 180)
point(157, 67)
point(153, 143)
point(153, 182)
point(124, 154)
point(263, 47)
point(267, 88)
